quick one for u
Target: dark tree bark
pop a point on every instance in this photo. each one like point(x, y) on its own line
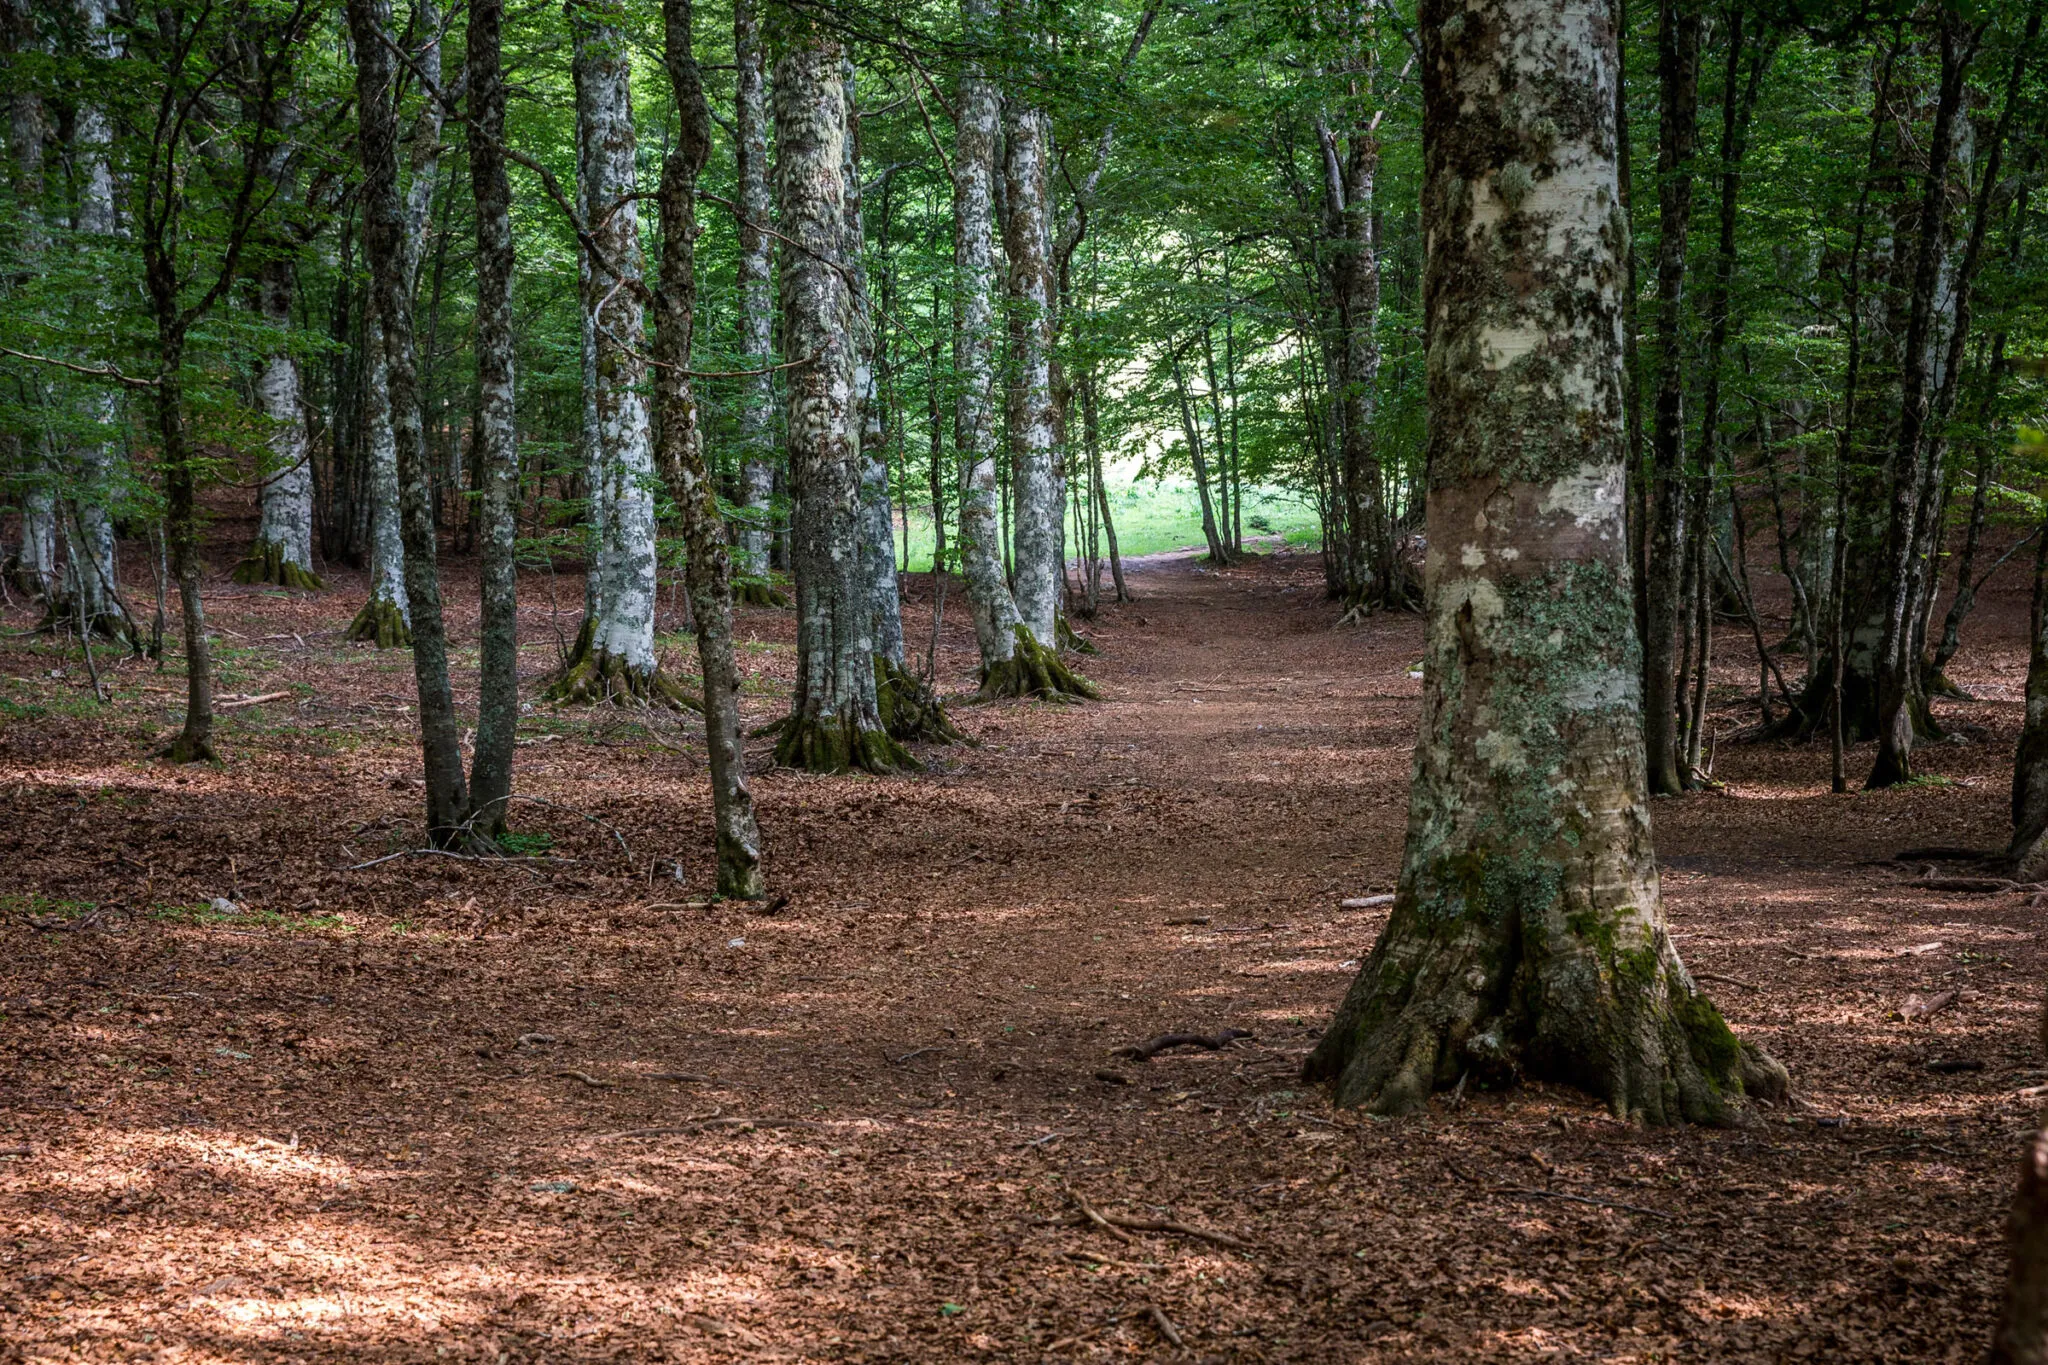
point(496, 448)
point(384, 230)
point(1527, 937)
point(708, 570)
point(1678, 57)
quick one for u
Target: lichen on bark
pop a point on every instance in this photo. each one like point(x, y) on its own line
point(1527, 936)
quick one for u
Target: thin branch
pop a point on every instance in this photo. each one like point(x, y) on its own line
point(90, 372)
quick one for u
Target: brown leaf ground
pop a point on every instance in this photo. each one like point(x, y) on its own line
point(325, 1129)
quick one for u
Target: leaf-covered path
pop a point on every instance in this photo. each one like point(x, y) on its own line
point(427, 1108)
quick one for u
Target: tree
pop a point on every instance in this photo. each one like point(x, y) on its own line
point(1527, 936)
point(835, 721)
point(757, 306)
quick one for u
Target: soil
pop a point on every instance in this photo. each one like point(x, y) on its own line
point(423, 1108)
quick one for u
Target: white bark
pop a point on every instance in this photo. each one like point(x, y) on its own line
point(624, 626)
point(757, 298)
point(878, 548)
point(1027, 239)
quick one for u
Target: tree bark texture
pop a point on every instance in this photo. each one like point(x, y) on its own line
point(1027, 248)
point(878, 518)
point(835, 722)
point(1527, 936)
point(708, 569)
point(757, 301)
point(385, 229)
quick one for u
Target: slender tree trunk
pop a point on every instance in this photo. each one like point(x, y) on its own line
point(1527, 936)
point(1898, 677)
point(2021, 1337)
point(495, 435)
point(878, 553)
point(835, 721)
point(1678, 50)
point(32, 569)
point(1092, 433)
point(708, 570)
point(1192, 431)
point(386, 619)
point(757, 305)
point(619, 665)
point(194, 743)
point(385, 228)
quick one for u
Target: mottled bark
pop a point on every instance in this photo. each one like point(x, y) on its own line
point(974, 422)
point(878, 518)
point(757, 301)
point(834, 722)
point(1027, 249)
point(386, 227)
point(1350, 178)
point(708, 569)
point(32, 568)
point(496, 449)
point(620, 664)
point(1527, 937)
point(386, 618)
point(1678, 57)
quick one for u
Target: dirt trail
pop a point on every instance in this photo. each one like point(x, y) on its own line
point(500, 1117)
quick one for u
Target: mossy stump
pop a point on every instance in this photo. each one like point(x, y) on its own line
point(910, 707)
point(599, 677)
point(266, 563)
point(828, 744)
point(1032, 670)
point(380, 623)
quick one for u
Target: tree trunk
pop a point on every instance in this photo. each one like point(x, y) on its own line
point(385, 229)
point(757, 305)
point(1027, 247)
point(835, 722)
point(32, 568)
point(1899, 701)
point(1527, 937)
point(1191, 430)
point(1091, 433)
point(878, 517)
point(194, 743)
point(708, 570)
point(619, 665)
point(495, 434)
point(1678, 55)
point(2021, 1337)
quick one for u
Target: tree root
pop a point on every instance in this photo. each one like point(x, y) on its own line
point(380, 623)
point(1210, 1042)
point(266, 563)
point(1069, 640)
point(1032, 670)
point(827, 744)
point(758, 592)
point(188, 749)
point(911, 710)
point(600, 677)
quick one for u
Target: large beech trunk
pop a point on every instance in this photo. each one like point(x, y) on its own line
point(709, 567)
point(619, 663)
point(497, 454)
point(1527, 937)
point(835, 722)
point(385, 227)
point(1027, 247)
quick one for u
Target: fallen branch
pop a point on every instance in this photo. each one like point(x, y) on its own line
point(1089, 1212)
point(1166, 1327)
point(1222, 1239)
point(586, 1078)
point(685, 1077)
point(1366, 902)
point(1728, 980)
point(1090, 1258)
point(522, 863)
point(236, 703)
point(911, 1055)
point(1212, 1042)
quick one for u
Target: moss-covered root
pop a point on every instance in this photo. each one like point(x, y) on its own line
point(827, 744)
point(266, 563)
point(601, 677)
point(380, 623)
point(1032, 670)
point(758, 592)
point(1072, 640)
point(1657, 1054)
point(911, 710)
point(187, 749)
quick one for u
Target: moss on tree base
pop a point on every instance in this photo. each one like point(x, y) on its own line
point(826, 744)
point(266, 563)
point(758, 592)
point(1439, 1001)
point(1070, 640)
point(380, 623)
point(1032, 670)
point(189, 749)
point(911, 710)
point(599, 677)
point(62, 619)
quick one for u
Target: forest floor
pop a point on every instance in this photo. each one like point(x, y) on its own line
point(424, 1109)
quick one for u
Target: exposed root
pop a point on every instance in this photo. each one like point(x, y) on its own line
point(601, 677)
point(188, 748)
point(1032, 670)
point(111, 625)
point(380, 623)
point(1069, 640)
point(758, 592)
point(911, 710)
point(1939, 684)
point(266, 563)
point(827, 744)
